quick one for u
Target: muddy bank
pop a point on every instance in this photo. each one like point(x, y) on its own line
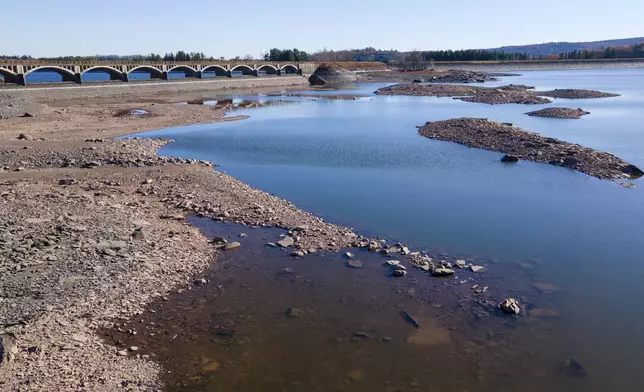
point(431, 76)
point(490, 95)
point(261, 318)
point(520, 144)
point(559, 113)
point(93, 230)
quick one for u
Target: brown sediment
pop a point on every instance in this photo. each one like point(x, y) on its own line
point(493, 136)
point(559, 113)
point(490, 95)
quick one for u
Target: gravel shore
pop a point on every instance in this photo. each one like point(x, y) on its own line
point(93, 230)
point(519, 144)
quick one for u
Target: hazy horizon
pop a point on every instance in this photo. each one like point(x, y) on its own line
point(253, 27)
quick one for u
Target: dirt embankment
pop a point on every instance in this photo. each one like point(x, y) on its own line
point(491, 95)
point(559, 113)
point(92, 229)
point(516, 142)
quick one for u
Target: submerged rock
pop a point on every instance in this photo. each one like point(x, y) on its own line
point(286, 242)
point(573, 368)
point(354, 264)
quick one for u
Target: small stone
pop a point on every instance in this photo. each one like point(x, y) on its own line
point(392, 263)
point(510, 306)
point(66, 181)
point(8, 348)
point(574, 368)
point(219, 240)
point(355, 375)
point(147, 181)
point(211, 367)
point(399, 273)
point(349, 255)
point(509, 159)
point(79, 338)
point(294, 312)
point(200, 282)
point(477, 268)
point(271, 245)
point(109, 252)
point(297, 253)
point(286, 242)
point(134, 348)
point(354, 264)
point(242, 235)
point(22, 136)
point(122, 353)
point(232, 245)
point(443, 272)
point(461, 263)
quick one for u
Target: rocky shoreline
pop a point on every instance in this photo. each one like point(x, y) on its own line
point(519, 144)
point(518, 94)
point(559, 113)
point(431, 76)
point(94, 229)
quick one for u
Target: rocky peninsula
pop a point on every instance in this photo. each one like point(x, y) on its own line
point(559, 113)
point(520, 144)
point(518, 94)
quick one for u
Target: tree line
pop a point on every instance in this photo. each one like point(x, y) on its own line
point(365, 54)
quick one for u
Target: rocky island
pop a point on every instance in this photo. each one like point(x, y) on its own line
point(520, 144)
point(490, 95)
point(559, 113)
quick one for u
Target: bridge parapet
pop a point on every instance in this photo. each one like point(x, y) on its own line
point(16, 71)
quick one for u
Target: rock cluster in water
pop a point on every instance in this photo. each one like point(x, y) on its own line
point(491, 95)
point(559, 113)
point(520, 144)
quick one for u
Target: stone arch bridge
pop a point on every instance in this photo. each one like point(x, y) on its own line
point(16, 71)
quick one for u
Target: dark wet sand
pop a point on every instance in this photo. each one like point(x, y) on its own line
point(344, 331)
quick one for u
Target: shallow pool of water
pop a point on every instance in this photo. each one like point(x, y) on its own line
point(362, 164)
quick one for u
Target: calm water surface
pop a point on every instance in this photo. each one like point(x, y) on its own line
point(362, 164)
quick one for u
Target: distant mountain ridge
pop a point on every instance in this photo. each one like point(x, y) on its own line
point(565, 47)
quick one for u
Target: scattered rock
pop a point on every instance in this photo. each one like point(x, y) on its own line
point(399, 273)
point(294, 312)
point(286, 242)
point(232, 245)
point(27, 115)
point(349, 255)
point(443, 272)
point(66, 181)
point(573, 368)
point(297, 253)
point(200, 281)
point(509, 159)
point(22, 136)
point(211, 367)
point(354, 264)
point(477, 268)
point(510, 306)
point(122, 353)
point(8, 348)
point(461, 263)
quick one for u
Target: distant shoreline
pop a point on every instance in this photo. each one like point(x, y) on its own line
point(512, 65)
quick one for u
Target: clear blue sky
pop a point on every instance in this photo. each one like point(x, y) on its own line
point(239, 27)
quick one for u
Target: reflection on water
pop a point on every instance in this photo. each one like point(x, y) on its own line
point(362, 164)
point(269, 322)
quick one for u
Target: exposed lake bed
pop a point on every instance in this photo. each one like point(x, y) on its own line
point(539, 234)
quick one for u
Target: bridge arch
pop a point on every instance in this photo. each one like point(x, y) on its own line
point(154, 72)
point(187, 71)
point(269, 69)
point(216, 69)
point(244, 69)
point(289, 69)
point(113, 73)
point(48, 73)
point(7, 75)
